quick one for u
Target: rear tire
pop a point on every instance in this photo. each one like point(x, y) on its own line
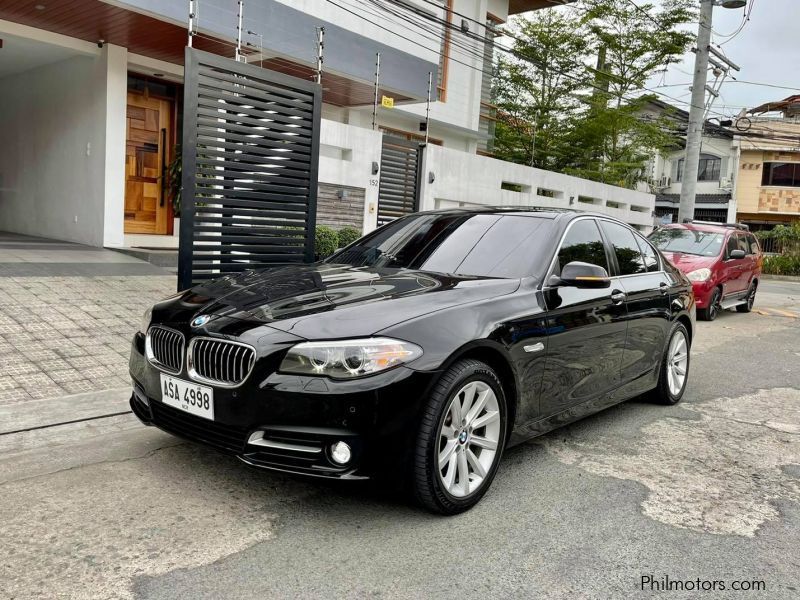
point(710, 313)
point(671, 382)
point(751, 298)
point(460, 440)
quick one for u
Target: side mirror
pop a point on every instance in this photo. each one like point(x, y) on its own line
point(584, 275)
point(737, 254)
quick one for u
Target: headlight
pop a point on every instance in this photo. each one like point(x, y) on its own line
point(146, 318)
point(699, 275)
point(346, 359)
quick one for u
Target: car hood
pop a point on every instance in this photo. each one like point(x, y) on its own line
point(325, 301)
point(690, 262)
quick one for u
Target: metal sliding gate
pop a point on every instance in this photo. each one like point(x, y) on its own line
point(398, 193)
point(250, 161)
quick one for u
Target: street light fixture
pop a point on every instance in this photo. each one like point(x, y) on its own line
point(733, 3)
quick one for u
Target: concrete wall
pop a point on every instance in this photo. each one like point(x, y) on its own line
point(52, 155)
point(454, 120)
point(748, 182)
point(345, 159)
point(462, 179)
point(752, 197)
point(340, 206)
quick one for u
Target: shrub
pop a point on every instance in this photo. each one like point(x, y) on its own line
point(348, 235)
point(786, 264)
point(326, 241)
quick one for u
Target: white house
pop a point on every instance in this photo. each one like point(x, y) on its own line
point(91, 93)
point(715, 177)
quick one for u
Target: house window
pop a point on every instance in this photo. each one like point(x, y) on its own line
point(781, 174)
point(708, 169)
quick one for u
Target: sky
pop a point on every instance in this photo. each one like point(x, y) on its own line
point(767, 49)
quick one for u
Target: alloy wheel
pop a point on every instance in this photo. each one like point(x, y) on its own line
point(713, 306)
point(469, 438)
point(751, 297)
point(677, 363)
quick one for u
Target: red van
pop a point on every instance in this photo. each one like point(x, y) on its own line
point(723, 261)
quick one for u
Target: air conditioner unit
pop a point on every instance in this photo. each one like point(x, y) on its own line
point(725, 183)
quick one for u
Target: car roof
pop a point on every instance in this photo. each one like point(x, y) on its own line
point(701, 227)
point(566, 214)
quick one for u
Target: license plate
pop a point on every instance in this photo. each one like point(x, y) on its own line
point(187, 396)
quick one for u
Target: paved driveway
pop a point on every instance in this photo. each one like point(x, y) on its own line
point(708, 490)
point(67, 315)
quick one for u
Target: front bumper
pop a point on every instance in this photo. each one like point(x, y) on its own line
point(702, 292)
point(288, 423)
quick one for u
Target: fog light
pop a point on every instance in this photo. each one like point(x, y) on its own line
point(341, 453)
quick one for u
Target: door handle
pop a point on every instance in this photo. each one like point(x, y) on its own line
point(163, 164)
point(662, 287)
point(618, 297)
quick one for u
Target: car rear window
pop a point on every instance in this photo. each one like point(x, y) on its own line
point(482, 245)
point(687, 241)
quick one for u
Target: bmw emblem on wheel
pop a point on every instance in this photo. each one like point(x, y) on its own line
point(200, 320)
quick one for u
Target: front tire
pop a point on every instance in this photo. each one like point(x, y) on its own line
point(710, 313)
point(674, 373)
point(460, 439)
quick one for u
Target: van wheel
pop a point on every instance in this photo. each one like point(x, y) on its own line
point(460, 439)
point(710, 313)
point(751, 298)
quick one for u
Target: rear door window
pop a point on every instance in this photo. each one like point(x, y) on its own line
point(649, 256)
point(629, 256)
point(753, 243)
point(741, 240)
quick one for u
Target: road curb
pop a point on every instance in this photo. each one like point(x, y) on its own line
point(781, 277)
point(53, 411)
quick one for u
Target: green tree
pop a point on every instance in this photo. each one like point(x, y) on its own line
point(535, 88)
point(574, 83)
point(612, 140)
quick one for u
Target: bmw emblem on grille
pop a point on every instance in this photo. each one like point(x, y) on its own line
point(200, 320)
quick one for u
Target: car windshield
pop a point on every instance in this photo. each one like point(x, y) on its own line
point(688, 241)
point(481, 245)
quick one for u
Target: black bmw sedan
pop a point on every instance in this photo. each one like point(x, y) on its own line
point(421, 351)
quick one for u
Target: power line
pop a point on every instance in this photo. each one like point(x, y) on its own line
point(645, 13)
point(512, 52)
point(745, 20)
point(768, 85)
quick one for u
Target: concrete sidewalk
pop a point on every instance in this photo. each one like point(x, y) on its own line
point(67, 316)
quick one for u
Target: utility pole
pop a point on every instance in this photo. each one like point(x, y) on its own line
point(697, 109)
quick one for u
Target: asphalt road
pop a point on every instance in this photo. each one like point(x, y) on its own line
point(708, 490)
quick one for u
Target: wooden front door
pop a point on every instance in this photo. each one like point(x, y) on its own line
point(146, 161)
